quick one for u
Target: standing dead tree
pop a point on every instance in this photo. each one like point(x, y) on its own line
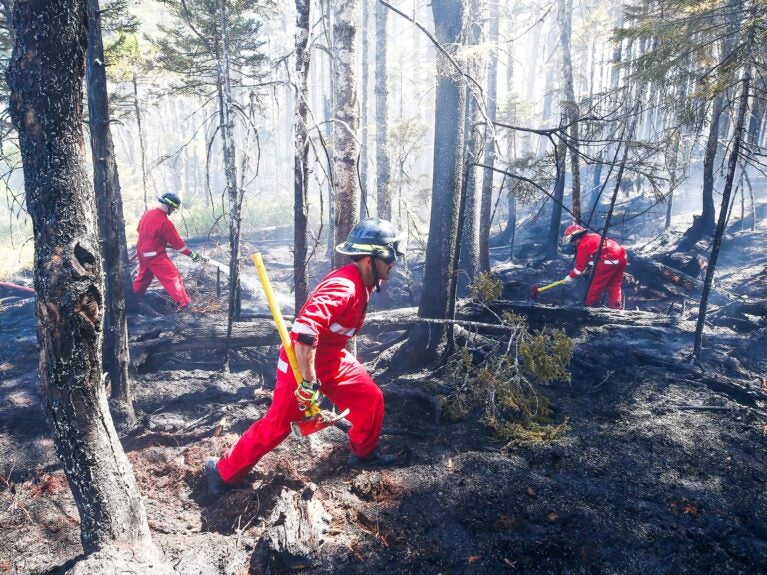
point(732, 166)
point(383, 164)
point(565, 17)
point(346, 120)
point(45, 76)
point(301, 153)
point(111, 223)
point(439, 268)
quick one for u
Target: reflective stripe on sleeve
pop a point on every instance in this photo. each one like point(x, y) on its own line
point(282, 365)
point(149, 254)
point(342, 330)
point(299, 327)
point(577, 272)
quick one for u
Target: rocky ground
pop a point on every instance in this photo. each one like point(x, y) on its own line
point(662, 468)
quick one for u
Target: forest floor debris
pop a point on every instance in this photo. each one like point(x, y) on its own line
point(661, 470)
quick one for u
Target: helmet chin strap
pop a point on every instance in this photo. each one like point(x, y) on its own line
point(376, 278)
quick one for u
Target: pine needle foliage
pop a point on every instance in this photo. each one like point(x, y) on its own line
point(486, 288)
point(502, 386)
point(696, 48)
point(191, 45)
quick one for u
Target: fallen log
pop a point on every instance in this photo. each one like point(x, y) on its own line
point(539, 316)
point(205, 335)
point(17, 287)
point(650, 273)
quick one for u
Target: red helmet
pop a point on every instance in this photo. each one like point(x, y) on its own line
point(571, 233)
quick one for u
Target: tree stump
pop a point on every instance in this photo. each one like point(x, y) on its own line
point(297, 524)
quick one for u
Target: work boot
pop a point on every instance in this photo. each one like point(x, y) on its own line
point(216, 485)
point(375, 459)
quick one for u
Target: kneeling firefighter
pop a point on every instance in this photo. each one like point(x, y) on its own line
point(609, 273)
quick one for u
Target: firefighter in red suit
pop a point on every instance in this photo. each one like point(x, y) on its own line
point(609, 272)
point(333, 313)
point(155, 234)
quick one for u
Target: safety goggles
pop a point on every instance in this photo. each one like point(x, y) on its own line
point(389, 257)
point(391, 254)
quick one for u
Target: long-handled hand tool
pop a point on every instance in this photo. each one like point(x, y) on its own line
point(314, 419)
point(535, 290)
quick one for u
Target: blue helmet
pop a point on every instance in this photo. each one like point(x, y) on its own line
point(374, 237)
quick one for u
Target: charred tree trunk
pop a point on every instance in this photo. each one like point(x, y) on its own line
point(114, 248)
point(558, 196)
point(383, 167)
point(470, 217)
point(564, 15)
point(137, 110)
point(234, 193)
point(489, 160)
point(705, 225)
point(328, 105)
point(45, 76)
point(672, 165)
point(439, 273)
point(345, 145)
point(364, 119)
point(512, 221)
point(301, 154)
point(468, 266)
point(509, 232)
point(731, 168)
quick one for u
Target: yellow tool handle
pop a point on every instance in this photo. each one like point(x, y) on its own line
point(280, 323)
point(555, 284)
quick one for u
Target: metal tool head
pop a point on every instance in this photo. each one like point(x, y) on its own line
point(316, 423)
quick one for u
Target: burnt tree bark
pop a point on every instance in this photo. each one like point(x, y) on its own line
point(383, 167)
point(558, 196)
point(364, 119)
point(732, 166)
point(301, 154)
point(492, 105)
point(226, 116)
point(673, 162)
point(468, 267)
point(565, 16)
point(297, 524)
point(439, 270)
point(705, 224)
point(45, 77)
point(142, 148)
point(469, 221)
point(346, 123)
point(114, 248)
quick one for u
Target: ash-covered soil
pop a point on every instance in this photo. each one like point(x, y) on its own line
point(662, 468)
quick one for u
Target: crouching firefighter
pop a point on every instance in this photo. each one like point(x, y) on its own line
point(609, 273)
point(155, 234)
point(333, 313)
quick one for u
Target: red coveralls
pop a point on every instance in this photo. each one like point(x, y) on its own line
point(333, 313)
point(609, 274)
point(155, 232)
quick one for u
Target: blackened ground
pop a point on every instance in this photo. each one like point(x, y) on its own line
point(662, 469)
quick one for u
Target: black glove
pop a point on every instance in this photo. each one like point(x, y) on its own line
point(196, 257)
